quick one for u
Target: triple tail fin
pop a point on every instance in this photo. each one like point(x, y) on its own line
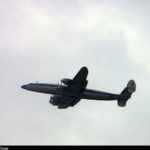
point(126, 93)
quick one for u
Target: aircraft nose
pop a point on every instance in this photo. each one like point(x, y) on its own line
point(23, 86)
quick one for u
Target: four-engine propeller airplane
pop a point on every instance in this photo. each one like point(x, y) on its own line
point(71, 91)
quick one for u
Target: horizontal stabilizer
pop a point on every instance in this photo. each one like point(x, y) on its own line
point(126, 93)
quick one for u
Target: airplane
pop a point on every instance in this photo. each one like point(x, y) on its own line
point(70, 91)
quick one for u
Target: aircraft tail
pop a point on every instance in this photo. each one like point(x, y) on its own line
point(126, 93)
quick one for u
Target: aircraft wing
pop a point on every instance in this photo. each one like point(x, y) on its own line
point(81, 75)
point(75, 88)
point(63, 102)
point(79, 82)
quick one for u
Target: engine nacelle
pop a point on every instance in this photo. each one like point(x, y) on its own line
point(66, 81)
point(55, 100)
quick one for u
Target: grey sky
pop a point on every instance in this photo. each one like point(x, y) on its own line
point(43, 40)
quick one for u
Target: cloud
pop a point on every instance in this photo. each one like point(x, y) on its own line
point(43, 40)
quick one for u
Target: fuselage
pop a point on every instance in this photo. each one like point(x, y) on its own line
point(61, 90)
point(71, 91)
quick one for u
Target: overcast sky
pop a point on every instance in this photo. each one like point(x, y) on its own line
point(44, 40)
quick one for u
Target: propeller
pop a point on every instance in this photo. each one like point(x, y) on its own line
point(60, 82)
